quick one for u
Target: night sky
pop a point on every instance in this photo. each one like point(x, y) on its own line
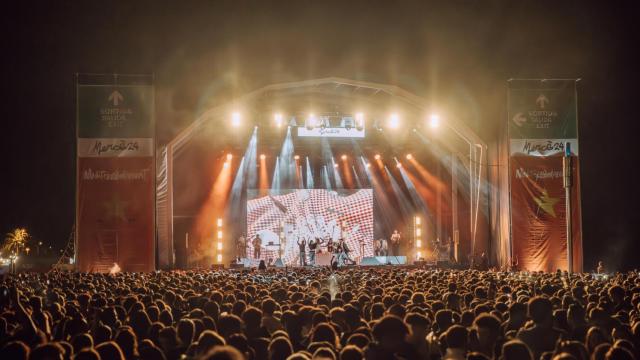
point(204, 53)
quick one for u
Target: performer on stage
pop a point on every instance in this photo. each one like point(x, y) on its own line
point(303, 246)
point(241, 247)
point(313, 246)
point(257, 246)
point(395, 243)
point(377, 247)
point(343, 253)
point(330, 245)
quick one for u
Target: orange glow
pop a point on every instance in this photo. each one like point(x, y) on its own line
point(229, 157)
point(214, 207)
point(430, 179)
point(346, 170)
point(377, 157)
point(263, 184)
point(343, 157)
point(296, 157)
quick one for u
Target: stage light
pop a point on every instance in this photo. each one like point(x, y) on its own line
point(398, 165)
point(219, 234)
point(418, 243)
point(296, 157)
point(418, 220)
point(418, 232)
point(235, 119)
point(311, 122)
point(359, 121)
point(219, 222)
point(434, 121)
point(419, 253)
point(377, 157)
point(343, 157)
point(219, 258)
point(409, 156)
point(263, 156)
point(394, 121)
point(229, 157)
point(278, 118)
point(368, 165)
point(219, 245)
point(335, 165)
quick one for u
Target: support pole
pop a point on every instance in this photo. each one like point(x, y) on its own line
point(566, 167)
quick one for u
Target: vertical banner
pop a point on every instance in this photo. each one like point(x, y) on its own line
point(542, 121)
point(116, 177)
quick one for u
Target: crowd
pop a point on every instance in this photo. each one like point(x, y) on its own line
point(354, 313)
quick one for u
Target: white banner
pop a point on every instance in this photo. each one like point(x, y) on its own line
point(339, 132)
point(130, 147)
point(542, 147)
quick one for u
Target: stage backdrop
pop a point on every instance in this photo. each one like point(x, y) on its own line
point(286, 215)
point(115, 183)
point(542, 120)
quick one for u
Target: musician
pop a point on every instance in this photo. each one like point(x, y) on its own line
point(313, 246)
point(241, 247)
point(257, 246)
point(377, 247)
point(343, 253)
point(384, 247)
point(330, 245)
point(303, 256)
point(395, 243)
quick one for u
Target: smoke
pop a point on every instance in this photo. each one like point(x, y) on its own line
point(115, 269)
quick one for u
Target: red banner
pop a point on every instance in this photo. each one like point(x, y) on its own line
point(115, 208)
point(538, 219)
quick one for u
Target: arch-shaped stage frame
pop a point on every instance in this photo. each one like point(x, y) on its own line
point(474, 162)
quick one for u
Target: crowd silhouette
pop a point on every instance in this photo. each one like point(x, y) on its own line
point(348, 314)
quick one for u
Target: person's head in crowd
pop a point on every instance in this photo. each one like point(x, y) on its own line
point(110, 350)
point(325, 332)
point(619, 353)
point(151, 353)
point(230, 324)
point(600, 352)
point(87, 354)
point(48, 351)
point(358, 339)
point(128, 342)
point(351, 352)
point(15, 350)
point(477, 356)
point(207, 340)
point(516, 350)
point(223, 353)
point(488, 331)
point(240, 342)
point(540, 310)
point(81, 341)
point(324, 353)
point(186, 331)
point(443, 319)
point(456, 338)
point(595, 337)
point(280, 348)
point(575, 348)
point(517, 314)
point(419, 325)
point(390, 333)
